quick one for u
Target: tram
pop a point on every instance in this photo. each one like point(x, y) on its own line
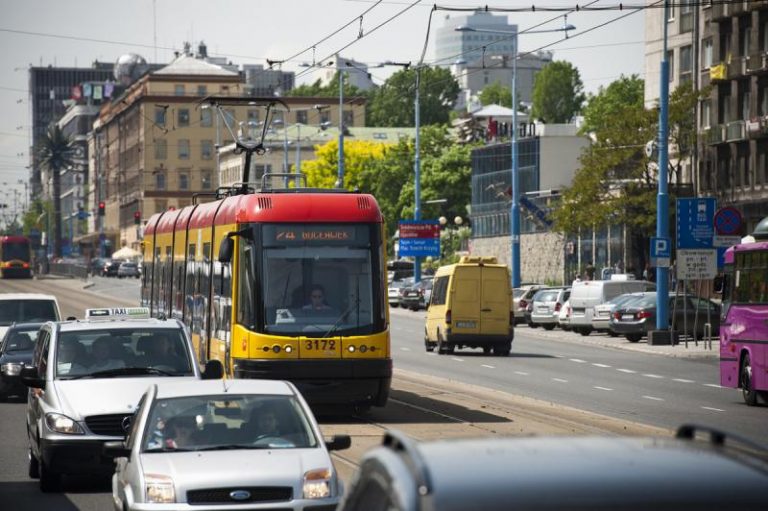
point(286, 283)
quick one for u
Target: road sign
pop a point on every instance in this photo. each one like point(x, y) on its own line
point(661, 252)
point(419, 238)
point(728, 221)
point(699, 264)
point(726, 241)
point(695, 226)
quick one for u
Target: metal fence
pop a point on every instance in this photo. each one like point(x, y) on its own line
point(68, 269)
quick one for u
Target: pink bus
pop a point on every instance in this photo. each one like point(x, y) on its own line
point(744, 324)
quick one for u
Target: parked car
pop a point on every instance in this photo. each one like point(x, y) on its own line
point(245, 445)
point(97, 265)
point(601, 318)
point(416, 297)
point(564, 316)
point(128, 269)
point(546, 305)
point(521, 296)
point(393, 290)
point(586, 294)
point(635, 318)
point(110, 268)
point(27, 308)
point(16, 352)
point(87, 377)
point(542, 473)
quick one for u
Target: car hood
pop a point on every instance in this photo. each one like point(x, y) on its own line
point(81, 398)
point(268, 467)
point(17, 357)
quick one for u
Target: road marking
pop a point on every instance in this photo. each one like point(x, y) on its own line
point(578, 360)
point(648, 375)
point(713, 385)
point(405, 349)
point(601, 365)
point(653, 398)
point(457, 359)
point(559, 380)
point(489, 367)
point(712, 409)
point(682, 380)
point(628, 371)
point(521, 373)
point(601, 388)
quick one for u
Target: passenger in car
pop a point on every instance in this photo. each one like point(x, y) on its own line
point(103, 358)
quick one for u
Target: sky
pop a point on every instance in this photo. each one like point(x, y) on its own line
point(77, 32)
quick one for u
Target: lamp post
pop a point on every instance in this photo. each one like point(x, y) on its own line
point(457, 221)
point(514, 210)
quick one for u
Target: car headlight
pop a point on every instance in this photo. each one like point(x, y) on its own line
point(317, 484)
point(10, 369)
point(159, 489)
point(62, 424)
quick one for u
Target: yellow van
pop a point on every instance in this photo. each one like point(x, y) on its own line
point(471, 306)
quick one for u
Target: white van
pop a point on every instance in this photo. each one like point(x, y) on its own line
point(585, 295)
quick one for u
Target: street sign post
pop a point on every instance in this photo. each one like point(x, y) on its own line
point(695, 228)
point(696, 264)
point(419, 238)
point(728, 221)
point(661, 252)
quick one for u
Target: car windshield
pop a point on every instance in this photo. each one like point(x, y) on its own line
point(20, 340)
point(122, 353)
point(230, 421)
point(27, 311)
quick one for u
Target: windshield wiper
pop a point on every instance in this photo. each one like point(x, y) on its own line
point(230, 447)
point(122, 371)
point(169, 449)
point(342, 316)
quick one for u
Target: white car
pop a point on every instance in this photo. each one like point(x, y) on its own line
point(86, 379)
point(564, 316)
point(237, 444)
point(27, 308)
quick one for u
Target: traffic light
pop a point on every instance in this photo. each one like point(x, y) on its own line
point(137, 218)
point(102, 208)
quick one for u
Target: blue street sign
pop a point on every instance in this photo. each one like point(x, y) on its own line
point(695, 225)
point(661, 247)
point(419, 247)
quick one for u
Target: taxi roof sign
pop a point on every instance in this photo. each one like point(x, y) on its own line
point(118, 313)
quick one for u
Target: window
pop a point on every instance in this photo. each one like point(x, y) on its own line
point(184, 149)
point(183, 117)
point(706, 54)
point(178, 90)
point(224, 89)
point(160, 181)
point(349, 118)
point(671, 60)
point(745, 35)
point(202, 90)
point(183, 181)
point(206, 117)
point(301, 116)
point(205, 179)
point(670, 13)
point(439, 291)
point(686, 16)
point(161, 149)
point(685, 64)
point(325, 116)
point(160, 115)
point(762, 97)
point(706, 114)
point(206, 149)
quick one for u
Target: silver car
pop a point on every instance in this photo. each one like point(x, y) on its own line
point(547, 304)
point(241, 444)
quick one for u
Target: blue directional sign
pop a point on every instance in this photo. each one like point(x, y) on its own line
point(661, 252)
point(419, 238)
point(695, 222)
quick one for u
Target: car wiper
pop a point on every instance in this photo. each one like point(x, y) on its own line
point(342, 316)
point(123, 371)
point(230, 447)
point(169, 449)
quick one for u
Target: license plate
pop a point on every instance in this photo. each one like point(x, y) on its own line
point(321, 345)
point(542, 309)
point(465, 324)
point(628, 316)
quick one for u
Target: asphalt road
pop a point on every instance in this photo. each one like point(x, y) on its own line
point(553, 383)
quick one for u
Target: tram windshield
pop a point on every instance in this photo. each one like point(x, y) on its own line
point(320, 280)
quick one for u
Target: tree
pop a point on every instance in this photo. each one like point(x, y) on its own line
point(496, 94)
point(358, 155)
point(55, 153)
point(392, 104)
point(627, 90)
point(557, 93)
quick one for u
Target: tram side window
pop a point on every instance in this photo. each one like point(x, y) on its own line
point(221, 300)
point(245, 279)
point(751, 281)
point(178, 290)
point(155, 280)
point(190, 285)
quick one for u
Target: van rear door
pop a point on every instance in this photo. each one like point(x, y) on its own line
point(494, 302)
point(465, 301)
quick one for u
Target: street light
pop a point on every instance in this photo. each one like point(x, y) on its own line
point(457, 221)
point(514, 210)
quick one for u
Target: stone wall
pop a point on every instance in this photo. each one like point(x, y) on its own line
point(541, 255)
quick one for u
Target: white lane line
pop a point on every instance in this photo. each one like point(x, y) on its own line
point(601, 388)
point(648, 375)
point(489, 367)
point(457, 359)
point(712, 409)
point(560, 380)
point(682, 380)
point(652, 398)
point(578, 360)
point(521, 373)
point(558, 356)
point(600, 365)
point(713, 385)
point(405, 349)
point(628, 371)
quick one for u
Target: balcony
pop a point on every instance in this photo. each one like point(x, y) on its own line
point(758, 63)
point(715, 134)
point(757, 127)
point(737, 67)
point(718, 72)
point(735, 131)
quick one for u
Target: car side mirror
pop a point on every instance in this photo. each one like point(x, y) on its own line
point(226, 249)
point(116, 449)
point(30, 378)
point(214, 370)
point(338, 442)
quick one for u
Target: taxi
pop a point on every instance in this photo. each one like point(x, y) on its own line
point(85, 381)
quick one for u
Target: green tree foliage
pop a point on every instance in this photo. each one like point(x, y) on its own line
point(496, 94)
point(55, 153)
point(358, 156)
point(557, 92)
point(627, 90)
point(392, 104)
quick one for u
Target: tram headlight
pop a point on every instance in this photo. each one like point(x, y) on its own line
point(288, 348)
point(351, 349)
